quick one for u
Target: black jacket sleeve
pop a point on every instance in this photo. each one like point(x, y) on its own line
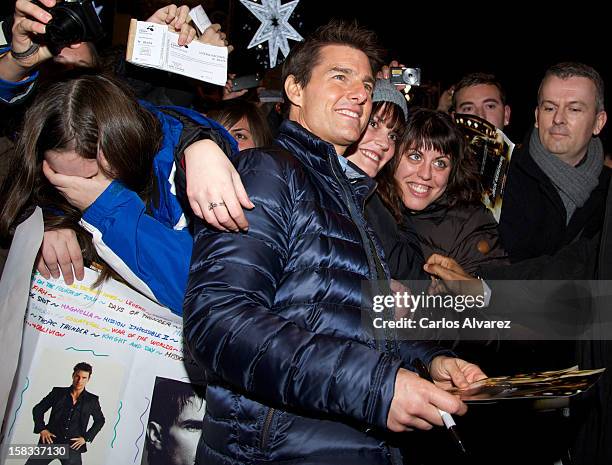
point(39, 410)
point(98, 419)
point(192, 132)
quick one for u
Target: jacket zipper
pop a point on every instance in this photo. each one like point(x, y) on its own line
point(266, 429)
point(374, 263)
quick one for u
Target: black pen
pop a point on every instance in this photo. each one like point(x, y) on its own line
point(447, 418)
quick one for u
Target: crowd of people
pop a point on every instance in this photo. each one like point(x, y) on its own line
point(262, 235)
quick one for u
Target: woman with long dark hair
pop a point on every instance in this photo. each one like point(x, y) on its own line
point(433, 184)
point(102, 167)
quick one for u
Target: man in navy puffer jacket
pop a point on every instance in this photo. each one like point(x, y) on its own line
point(275, 315)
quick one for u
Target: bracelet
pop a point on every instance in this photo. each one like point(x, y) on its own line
point(27, 54)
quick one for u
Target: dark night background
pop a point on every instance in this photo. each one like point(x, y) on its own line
point(516, 42)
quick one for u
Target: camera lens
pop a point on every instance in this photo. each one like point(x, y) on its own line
point(65, 28)
point(409, 77)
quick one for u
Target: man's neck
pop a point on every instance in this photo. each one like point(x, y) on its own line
point(77, 392)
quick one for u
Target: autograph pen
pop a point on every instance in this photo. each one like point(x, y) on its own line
point(447, 418)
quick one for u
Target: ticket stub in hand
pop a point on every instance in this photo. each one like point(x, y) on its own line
point(154, 46)
point(199, 18)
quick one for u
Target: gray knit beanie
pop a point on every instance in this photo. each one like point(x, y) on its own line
point(384, 91)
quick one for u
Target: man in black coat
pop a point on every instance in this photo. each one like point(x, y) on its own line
point(557, 183)
point(71, 408)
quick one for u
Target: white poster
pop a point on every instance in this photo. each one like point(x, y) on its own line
point(135, 350)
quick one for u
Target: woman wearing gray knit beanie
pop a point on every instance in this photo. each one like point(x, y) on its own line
point(377, 144)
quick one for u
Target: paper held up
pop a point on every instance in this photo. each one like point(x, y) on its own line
point(538, 385)
point(154, 46)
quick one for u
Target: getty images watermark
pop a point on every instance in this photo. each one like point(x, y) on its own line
point(542, 310)
point(404, 305)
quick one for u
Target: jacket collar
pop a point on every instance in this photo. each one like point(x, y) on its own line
point(363, 185)
point(83, 394)
point(322, 157)
point(435, 211)
point(308, 148)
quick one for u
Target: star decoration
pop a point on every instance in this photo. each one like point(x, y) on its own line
point(275, 27)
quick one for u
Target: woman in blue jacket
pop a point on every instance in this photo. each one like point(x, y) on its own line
point(103, 165)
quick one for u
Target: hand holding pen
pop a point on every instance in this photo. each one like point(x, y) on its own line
point(416, 402)
point(447, 418)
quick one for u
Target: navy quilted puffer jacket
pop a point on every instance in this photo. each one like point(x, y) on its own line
point(274, 317)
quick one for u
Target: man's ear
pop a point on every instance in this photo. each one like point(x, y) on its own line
point(536, 117)
point(507, 113)
point(294, 91)
point(154, 435)
point(600, 122)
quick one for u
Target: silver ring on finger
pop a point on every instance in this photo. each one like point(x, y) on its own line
point(212, 205)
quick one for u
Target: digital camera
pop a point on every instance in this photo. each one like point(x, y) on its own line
point(72, 21)
point(408, 76)
point(246, 82)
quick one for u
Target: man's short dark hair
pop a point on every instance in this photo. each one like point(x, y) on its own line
point(570, 69)
point(170, 398)
point(83, 366)
point(305, 55)
point(475, 79)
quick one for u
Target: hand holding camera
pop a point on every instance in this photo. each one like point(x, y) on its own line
point(399, 75)
point(238, 86)
point(42, 28)
point(29, 21)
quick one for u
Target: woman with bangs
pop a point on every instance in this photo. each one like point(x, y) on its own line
point(434, 185)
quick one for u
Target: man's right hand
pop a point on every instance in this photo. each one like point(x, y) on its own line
point(228, 92)
point(46, 436)
point(416, 402)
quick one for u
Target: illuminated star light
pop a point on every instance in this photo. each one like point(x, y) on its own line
point(275, 27)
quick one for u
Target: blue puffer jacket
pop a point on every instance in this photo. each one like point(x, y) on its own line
point(274, 317)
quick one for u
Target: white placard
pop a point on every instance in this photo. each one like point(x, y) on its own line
point(134, 346)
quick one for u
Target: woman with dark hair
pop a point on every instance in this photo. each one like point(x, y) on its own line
point(102, 167)
point(374, 151)
point(434, 185)
point(244, 121)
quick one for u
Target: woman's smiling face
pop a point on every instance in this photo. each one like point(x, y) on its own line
point(423, 176)
point(377, 145)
